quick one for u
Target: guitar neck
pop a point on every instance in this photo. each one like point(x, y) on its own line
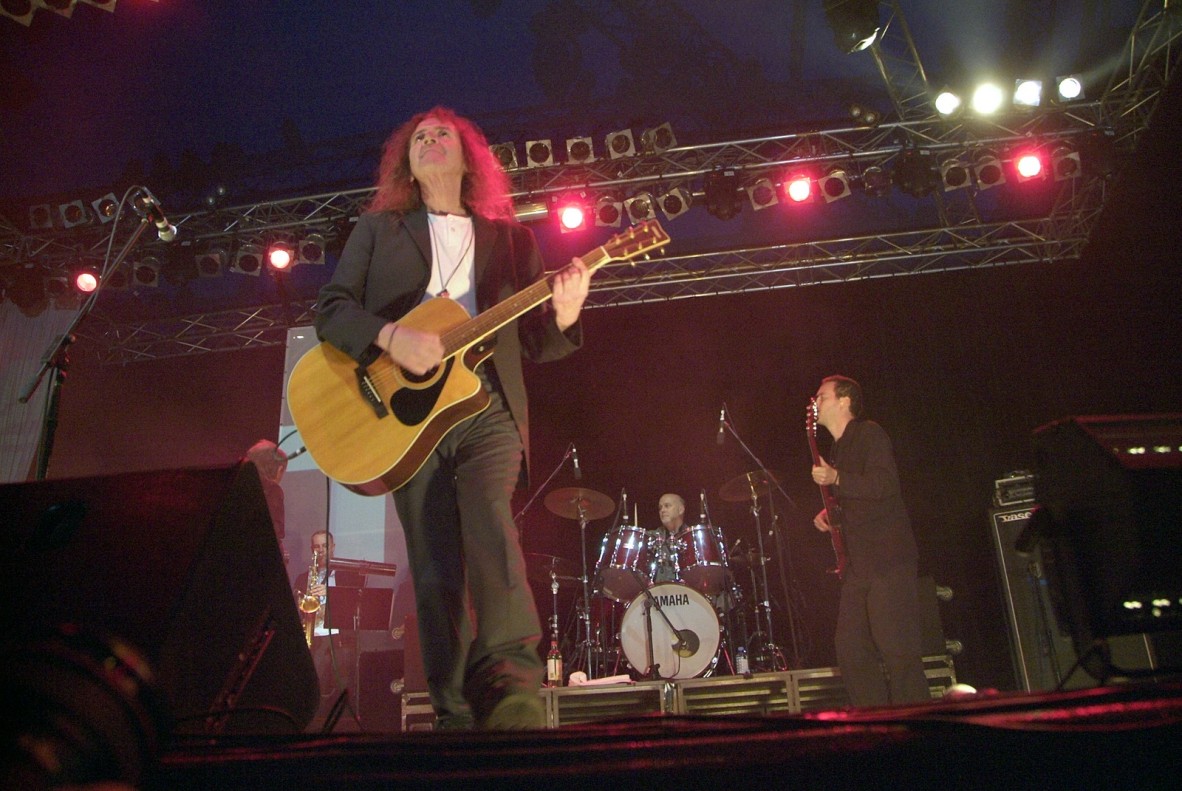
point(491, 320)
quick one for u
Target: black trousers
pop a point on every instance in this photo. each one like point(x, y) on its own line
point(879, 637)
point(478, 623)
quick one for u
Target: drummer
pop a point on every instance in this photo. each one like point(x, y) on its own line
point(663, 549)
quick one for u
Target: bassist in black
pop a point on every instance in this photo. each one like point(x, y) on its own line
point(878, 636)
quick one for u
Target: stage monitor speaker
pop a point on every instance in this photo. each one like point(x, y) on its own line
point(1110, 522)
point(1041, 650)
point(183, 566)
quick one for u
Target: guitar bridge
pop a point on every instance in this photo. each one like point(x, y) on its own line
point(370, 393)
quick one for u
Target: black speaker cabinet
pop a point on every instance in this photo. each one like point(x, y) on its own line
point(1041, 649)
point(184, 566)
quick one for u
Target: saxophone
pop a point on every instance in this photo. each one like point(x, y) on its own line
point(309, 604)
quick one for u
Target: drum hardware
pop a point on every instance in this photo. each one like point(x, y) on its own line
point(752, 485)
point(584, 505)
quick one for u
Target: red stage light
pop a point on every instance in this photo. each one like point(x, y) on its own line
point(1028, 165)
point(86, 281)
point(279, 258)
point(572, 216)
point(799, 188)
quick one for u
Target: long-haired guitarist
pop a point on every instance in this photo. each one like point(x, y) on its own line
point(878, 625)
point(441, 226)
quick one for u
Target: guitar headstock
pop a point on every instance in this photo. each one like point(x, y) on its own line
point(810, 417)
point(636, 241)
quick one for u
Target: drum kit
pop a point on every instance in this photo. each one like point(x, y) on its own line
point(667, 600)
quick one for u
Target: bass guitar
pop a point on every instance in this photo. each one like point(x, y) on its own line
point(370, 428)
point(832, 507)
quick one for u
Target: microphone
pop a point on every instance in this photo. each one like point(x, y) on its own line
point(574, 454)
point(721, 424)
point(147, 205)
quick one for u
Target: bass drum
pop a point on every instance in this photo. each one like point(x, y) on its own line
point(686, 650)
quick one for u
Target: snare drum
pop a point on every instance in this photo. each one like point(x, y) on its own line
point(621, 567)
point(685, 651)
point(703, 560)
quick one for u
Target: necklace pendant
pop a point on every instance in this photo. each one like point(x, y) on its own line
point(443, 294)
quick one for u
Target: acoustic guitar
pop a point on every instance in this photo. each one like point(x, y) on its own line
point(370, 428)
point(832, 507)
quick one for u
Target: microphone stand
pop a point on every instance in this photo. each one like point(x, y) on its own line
point(772, 651)
point(545, 484)
point(653, 671)
point(57, 359)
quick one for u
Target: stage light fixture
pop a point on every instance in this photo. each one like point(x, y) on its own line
point(798, 187)
point(104, 207)
point(658, 139)
point(504, 153)
point(640, 207)
point(876, 181)
point(1069, 88)
point(73, 214)
point(620, 144)
point(211, 263)
point(63, 7)
point(85, 279)
point(915, 172)
point(248, 260)
point(947, 103)
point(40, 217)
point(118, 280)
point(539, 153)
point(579, 151)
point(1028, 165)
point(761, 193)
point(311, 250)
point(675, 202)
point(865, 116)
point(27, 290)
point(18, 10)
point(987, 169)
point(531, 211)
point(571, 211)
point(722, 193)
point(987, 99)
point(954, 174)
point(855, 23)
point(146, 272)
point(608, 211)
point(1027, 93)
point(216, 196)
point(1065, 163)
point(835, 183)
point(280, 256)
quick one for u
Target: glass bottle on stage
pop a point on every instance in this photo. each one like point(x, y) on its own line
point(554, 666)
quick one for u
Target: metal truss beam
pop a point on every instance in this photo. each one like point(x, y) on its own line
point(901, 69)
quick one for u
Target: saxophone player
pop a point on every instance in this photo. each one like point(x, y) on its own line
point(334, 652)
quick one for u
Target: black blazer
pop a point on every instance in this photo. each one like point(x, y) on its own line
point(383, 273)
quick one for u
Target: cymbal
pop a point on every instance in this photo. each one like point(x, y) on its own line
point(738, 490)
point(538, 567)
point(566, 503)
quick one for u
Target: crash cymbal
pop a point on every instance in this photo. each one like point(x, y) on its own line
point(566, 503)
point(738, 490)
point(538, 568)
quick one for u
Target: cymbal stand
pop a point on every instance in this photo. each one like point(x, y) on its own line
point(585, 604)
point(764, 603)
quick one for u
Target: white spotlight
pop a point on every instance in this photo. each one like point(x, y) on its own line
point(987, 99)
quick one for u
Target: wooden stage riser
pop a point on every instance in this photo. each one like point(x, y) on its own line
point(788, 692)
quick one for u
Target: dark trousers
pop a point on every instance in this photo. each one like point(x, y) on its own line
point(466, 562)
point(335, 659)
point(879, 639)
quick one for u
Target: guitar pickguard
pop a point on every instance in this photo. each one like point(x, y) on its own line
point(412, 405)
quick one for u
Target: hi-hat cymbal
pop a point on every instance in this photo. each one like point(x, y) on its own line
point(538, 568)
point(575, 502)
point(739, 490)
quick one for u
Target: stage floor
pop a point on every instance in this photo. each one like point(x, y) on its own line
point(1109, 737)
